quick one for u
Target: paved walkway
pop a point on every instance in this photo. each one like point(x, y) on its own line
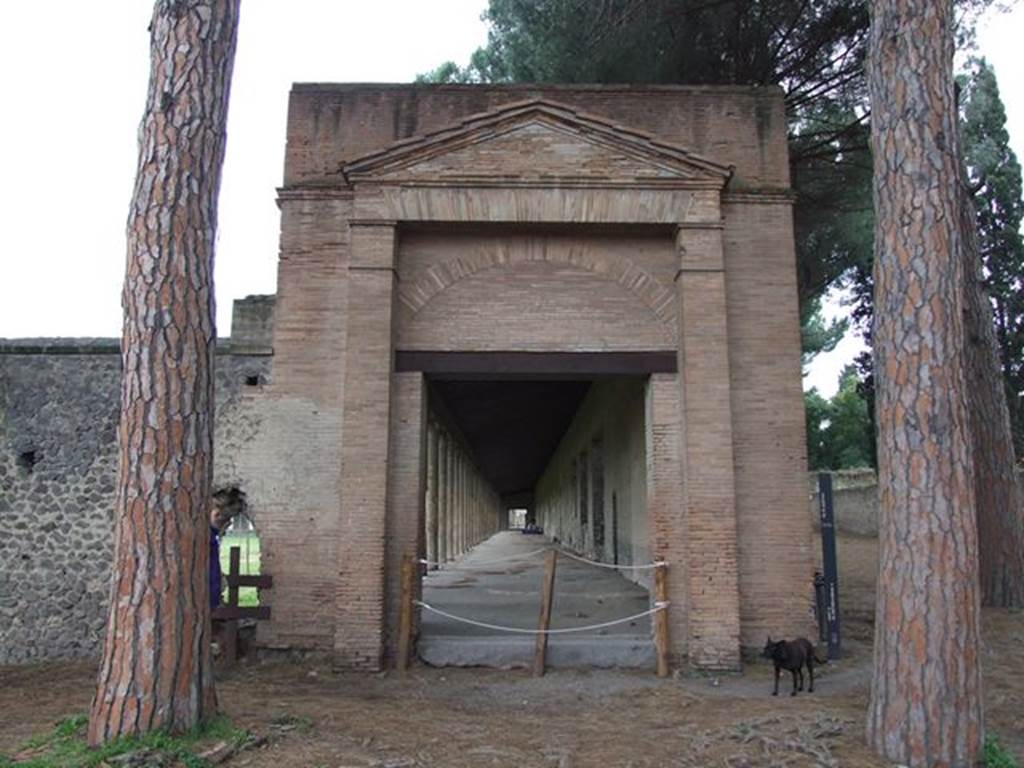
point(507, 593)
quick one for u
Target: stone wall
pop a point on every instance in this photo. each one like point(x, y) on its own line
point(855, 500)
point(59, 407)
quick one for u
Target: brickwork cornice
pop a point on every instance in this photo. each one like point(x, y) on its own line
point(759, 197)
point(314, 192)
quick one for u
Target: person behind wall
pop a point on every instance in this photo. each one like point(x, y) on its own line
point(227, 503)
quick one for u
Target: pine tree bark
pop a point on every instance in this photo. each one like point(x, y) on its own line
point(997, 495)
point(926, 703)
point(156, 670)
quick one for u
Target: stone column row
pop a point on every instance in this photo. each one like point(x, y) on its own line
point(461, 507)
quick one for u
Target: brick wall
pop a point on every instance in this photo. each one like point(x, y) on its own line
point(776, 566)
point(740, 126)
point(526, 269)
point(522, 291)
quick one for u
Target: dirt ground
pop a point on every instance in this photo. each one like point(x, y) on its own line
point(471, 718)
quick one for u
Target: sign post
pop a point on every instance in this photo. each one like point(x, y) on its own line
point(828, 551)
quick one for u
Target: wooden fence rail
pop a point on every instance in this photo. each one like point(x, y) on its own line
point(227, 615)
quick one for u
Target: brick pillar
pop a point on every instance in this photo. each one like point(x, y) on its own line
point(365, 444)
point(478, 510)
point(666, 522)
point(301, 412)
point(453, 512)
point(431, 500)
point(588, 534)
point(460, 484)
point(708, 483)
point(442, 495)
point(405, 500)
point(471, 493)
point(464, 502)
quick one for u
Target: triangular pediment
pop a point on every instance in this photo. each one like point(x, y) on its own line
point(537, 142)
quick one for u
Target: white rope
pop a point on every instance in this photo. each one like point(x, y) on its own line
point(659, 606)
point(520, 556)
point(645, 566)
point(567, 553)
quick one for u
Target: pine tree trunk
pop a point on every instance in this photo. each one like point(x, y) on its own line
point(926, 704)
point(156, 670)
point(997, 495)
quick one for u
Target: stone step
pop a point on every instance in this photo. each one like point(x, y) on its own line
point(509, 652)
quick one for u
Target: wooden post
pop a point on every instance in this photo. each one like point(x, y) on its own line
point(405, 615)
point(546, 600)
point(231, 625)
point(661, 618)
point(234, 570)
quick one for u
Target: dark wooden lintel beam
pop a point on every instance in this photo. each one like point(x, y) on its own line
point(535, 365)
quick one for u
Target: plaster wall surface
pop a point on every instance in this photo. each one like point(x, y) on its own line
point(608, 430)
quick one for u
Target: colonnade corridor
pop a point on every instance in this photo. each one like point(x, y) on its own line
point(572, 454)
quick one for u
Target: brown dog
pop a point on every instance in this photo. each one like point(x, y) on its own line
point(792, 655)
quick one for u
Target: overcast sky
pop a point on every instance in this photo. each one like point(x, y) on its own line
point(74, 84)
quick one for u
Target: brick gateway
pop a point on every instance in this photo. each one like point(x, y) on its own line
point(464, 269)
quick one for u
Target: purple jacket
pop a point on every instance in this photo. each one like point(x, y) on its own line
point(215, 579)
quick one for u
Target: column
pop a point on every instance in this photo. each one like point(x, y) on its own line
point(406, 492)
point(443, 506)
point(708, 482)
point(666, 525)
point(461, 475)
point(364, 454)
point(431, 497)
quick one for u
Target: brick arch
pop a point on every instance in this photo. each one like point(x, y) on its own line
point(650, 291)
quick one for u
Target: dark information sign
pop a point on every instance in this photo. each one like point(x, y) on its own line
point(828, 551)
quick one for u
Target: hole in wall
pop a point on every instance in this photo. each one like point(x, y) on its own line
point(231, 515)
point(229, 502)
point(253, 380)
point(27, 460)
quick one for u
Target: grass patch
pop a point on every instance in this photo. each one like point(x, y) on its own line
point(996, 755)
point(249, 544)
point(65, 746)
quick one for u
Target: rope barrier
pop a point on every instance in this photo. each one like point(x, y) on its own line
point(659, 606)
point(588, 561)
point(567, 553)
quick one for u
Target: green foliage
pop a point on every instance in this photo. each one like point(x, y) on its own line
point(840, 434)
point(66, 747)
point(995, 175)
point(817, 334)
point(249, 544)
point(816, 410)
point(996, 755)
point(449, 72)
